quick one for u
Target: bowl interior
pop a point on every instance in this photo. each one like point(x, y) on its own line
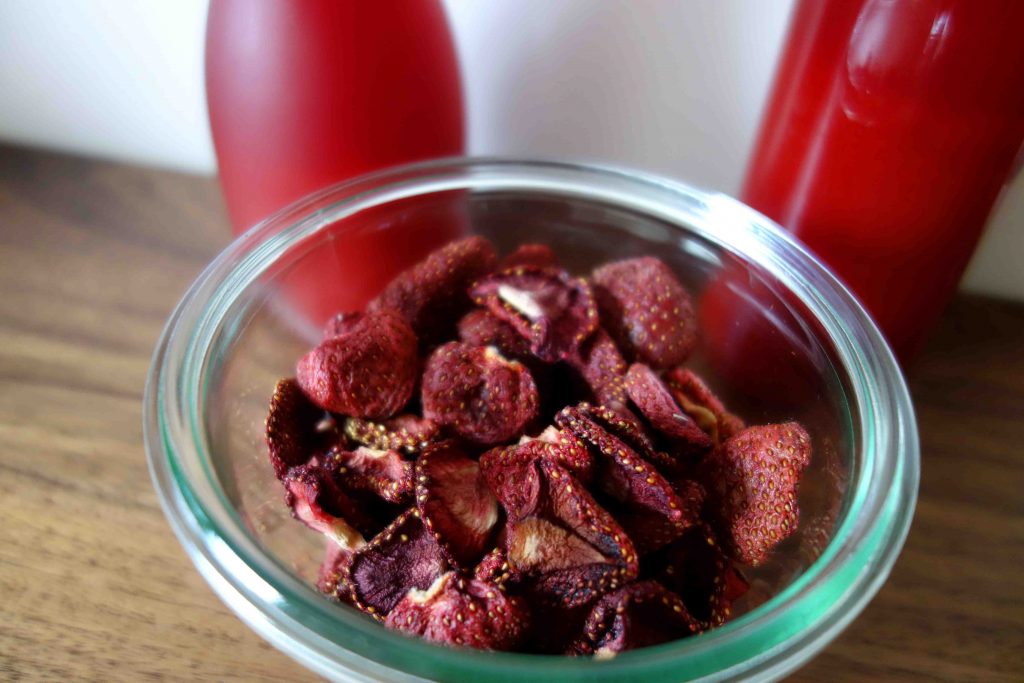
point(760, 348)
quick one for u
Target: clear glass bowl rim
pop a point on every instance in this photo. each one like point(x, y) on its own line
point(765, 644)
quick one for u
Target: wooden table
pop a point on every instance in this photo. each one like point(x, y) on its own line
point(94, 586)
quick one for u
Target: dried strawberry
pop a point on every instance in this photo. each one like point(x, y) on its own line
point(459, 611)
point(291, 429)
point(401, 557)
point(406, 433)
point(494, 568)
point(652, 513)
point(647, 310)
point(621, 423)
point(602, 367)
point(455, 503)
point(638, 615)
point(333, 578)
point(511, 473)
point(696, 568)
point(547, 306)
point(530, 255)
point(753, 479)
point(369, 371)
point(317, 501)
point(432, 294)
point(482, 396)
point(480, 327)
point(341, 323)
point(381, 472)
point(656, 403)
point(700, 403)
point(567, 450)
point(570, 548)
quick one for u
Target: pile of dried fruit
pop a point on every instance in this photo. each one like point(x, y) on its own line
point(508, 457)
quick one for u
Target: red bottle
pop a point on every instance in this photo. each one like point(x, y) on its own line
point(890, 130)
point(306, 94)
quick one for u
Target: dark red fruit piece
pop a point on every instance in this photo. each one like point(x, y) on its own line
point(318, 502)
point(369, 371)
point(406, 433)
point(401, 557)
point(341, 323)
point(567, 450)
point(652, 513)
point(459, 611)
point(333, 578)
point(494, 568)
point(455, 503)
point(700, 403)
point(511, 473)
point(432, 294)
point(291, 429)
point(647, 311)
point(602, 367)
point(383, 473)
point(641, 614)
point(547, 306)
point(530, 255)
point(571, 549)
point(695, 567)
point(752, 479)
point(621, 423)
point(656, 403)
point(482, 396)
point(480, 327)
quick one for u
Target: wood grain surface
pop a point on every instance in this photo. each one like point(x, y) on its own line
point(93, 585)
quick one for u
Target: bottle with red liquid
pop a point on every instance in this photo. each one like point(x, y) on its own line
point(890, 130)
point(304, 94)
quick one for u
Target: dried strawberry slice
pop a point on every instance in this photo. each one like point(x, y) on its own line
point(696, 568)
point(641, 614)
point(341, 323)
point(494, 568)
point(381, 472)
point(753, 478)
point(531, 254)
point(455, 503)
point(621, 423)
point(480, 327)
point(652, 513)
point(511, 473)
point(291, 431)
point(459, 611)
point(333, 578)
point(699, 402)
point(482, 396)
point(547, 306)
point(602, 367)
point(369, 371)
point(318, 502)
point(569, 452)
point(432, 294)
point(401, 557)
point(656, 403)
point(647, 310)
point(405, 433)
point(571, 548)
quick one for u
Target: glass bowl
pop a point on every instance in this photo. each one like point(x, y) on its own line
point(782, 339)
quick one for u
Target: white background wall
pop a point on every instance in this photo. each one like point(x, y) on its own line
point(672, 86)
